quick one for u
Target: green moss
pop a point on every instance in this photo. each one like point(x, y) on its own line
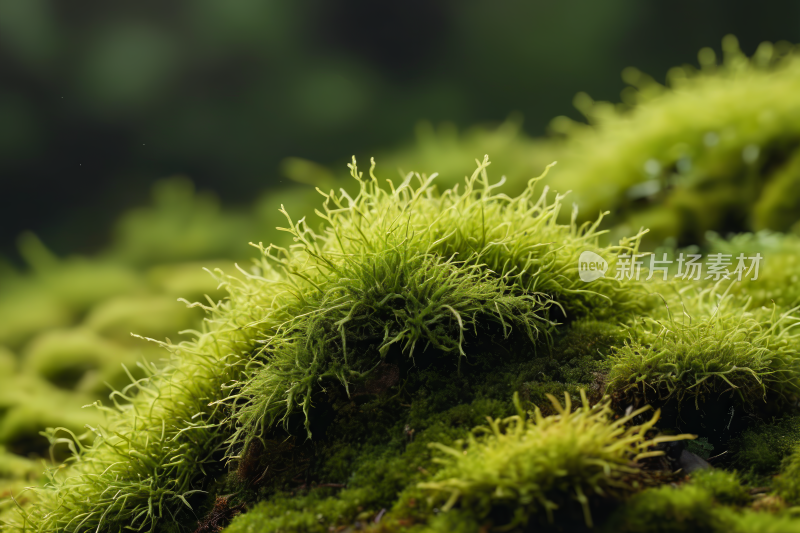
point(716, 345)
point(667, 509)
point(155, 316)
point(406, 266)
point(577, 360)
point(698, 154)
point(747, 521)
point(711, 502)
point(76, 282)
point(405, 276)
point(189, 281)
point(29, 404)
point(16, 473)
point(79, 360)
point(529, 465)
point(452, 521)
point(379, 460)
point(787, 484)
point(759, 451)
point(779, 270)
point(384, 479)
point(725, 487)
point(180, 225)
point(27, 308)
point(411, 314)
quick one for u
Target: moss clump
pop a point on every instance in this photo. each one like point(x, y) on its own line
point(700, 153)
point(712, 501)
point(667, 509)
point(725, 487)
point(528, 464)
point(406, 266)
point(376, 301)
point(725, 348)
point(398, 274)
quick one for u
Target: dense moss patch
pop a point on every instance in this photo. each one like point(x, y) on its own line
point(347, 381)
point(401, 284)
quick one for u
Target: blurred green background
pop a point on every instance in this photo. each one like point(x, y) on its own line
point(98, 100)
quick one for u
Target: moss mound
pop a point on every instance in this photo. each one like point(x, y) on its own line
point(399, 279)
point(714, 149)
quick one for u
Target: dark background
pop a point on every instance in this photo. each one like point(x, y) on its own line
point(99, 99)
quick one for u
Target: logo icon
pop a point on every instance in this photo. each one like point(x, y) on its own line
point(591, 266)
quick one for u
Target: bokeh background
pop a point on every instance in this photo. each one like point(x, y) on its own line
point(99, 100)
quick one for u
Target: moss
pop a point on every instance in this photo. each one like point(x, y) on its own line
point(372, 468)
point(667, 509)
point(155, 316)
point(747, 521)
point(701, 447)
point(712, 501)
point(760, 450)
point(27, 308)
point(381, 493)
point(454, 521)
point(189, 281)
point(402, 276)
point(384, 273)
point(720, 347)
point(180, 225)
point(725, 487)
point(697, 154)
point(310, 396)
point(409, 300)
point(528, 465)
point(29, 404)
point(16, 473)
point(311, 393)
point(779, 270)
point(80, 360)
point(77, 282)
point(787, 484)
